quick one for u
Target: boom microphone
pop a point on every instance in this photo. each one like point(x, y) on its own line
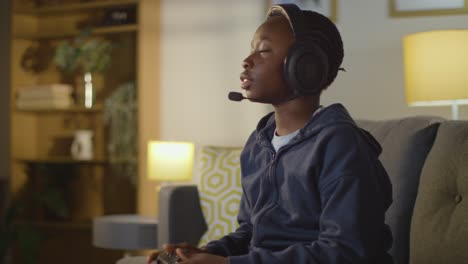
point(235, 96)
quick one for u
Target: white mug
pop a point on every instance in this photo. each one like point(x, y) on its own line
point(82, 145)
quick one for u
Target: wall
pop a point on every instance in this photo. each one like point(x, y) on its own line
point(4, 88)
point(373, 86)
point(203, 44)
point(204, 41)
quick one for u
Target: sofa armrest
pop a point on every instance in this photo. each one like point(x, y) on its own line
point(180, 215)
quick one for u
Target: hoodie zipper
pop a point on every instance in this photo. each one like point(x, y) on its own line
point(272, 202)
point(271, 178)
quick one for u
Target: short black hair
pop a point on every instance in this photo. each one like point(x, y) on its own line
point(326, 35)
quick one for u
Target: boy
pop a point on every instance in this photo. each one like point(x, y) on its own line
point(314, 190)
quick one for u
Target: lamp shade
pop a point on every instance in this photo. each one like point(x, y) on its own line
point(436, 67)
point(170, 161)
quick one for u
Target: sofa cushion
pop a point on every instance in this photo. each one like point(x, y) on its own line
point(405, 144)
point(439, 230)
point(220, 190)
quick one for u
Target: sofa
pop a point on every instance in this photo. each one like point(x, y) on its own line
point(425, 157)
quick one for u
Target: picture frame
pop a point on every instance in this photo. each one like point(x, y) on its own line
point(325, 7)
point(406, 8)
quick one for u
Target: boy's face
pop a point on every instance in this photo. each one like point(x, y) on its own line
point(262, 78)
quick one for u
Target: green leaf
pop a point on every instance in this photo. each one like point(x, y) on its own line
point(7, 238)
point(10, 214)
point(53, 199)
point(29, 241)
point(84, 53)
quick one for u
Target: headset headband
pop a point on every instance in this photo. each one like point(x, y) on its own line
point(294, 16)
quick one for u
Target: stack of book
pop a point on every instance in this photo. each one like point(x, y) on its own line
point(44, 96)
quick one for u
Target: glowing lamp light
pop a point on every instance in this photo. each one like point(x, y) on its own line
point(436, 68)
point(170, 161)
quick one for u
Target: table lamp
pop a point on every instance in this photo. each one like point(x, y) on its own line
point(170, 161)
point(436, 68)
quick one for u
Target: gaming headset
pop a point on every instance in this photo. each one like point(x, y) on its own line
point(306, 66)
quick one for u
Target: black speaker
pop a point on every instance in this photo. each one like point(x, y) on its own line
point(306, 65)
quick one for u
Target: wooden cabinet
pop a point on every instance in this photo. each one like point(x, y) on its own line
point(41, 138)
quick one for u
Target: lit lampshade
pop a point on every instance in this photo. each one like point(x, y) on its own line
point(436, 68)
point(170, 161)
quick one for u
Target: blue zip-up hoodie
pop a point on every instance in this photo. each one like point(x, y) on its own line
point(320, 199)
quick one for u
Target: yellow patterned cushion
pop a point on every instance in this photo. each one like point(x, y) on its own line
point(220, 190)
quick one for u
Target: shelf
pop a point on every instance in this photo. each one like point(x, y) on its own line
point(73, 110)
point(56, 225)
point(76, 7)
point(61, 160)
point(104, 30)
point(40, 156)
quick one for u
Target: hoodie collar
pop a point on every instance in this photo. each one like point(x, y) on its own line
point(331, 115)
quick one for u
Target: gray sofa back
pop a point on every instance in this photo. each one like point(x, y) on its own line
point(406, 143)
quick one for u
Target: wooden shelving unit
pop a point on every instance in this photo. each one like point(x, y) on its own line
point(107, 30)
point(73, 109)
point(59, 226)
point(74, 7)
point(35, 131)
point(61, 160)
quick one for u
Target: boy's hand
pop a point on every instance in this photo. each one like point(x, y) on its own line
point(199, 258)
point(153, 257)
point(186, 248)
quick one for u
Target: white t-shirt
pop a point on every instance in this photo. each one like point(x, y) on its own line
point(279, 141)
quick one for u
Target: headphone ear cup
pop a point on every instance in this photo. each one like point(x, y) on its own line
point(306, 68)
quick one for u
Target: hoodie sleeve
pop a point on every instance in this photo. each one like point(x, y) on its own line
point(354, 200)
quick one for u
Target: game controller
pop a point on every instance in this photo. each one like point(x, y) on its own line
point(167, 258)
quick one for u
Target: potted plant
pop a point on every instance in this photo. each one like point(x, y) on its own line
point(86, 56)
point(18, 232)
point(120, 116)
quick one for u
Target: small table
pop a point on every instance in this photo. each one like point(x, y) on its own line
point(125, 232)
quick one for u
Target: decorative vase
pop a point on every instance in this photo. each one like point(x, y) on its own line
point(82, 145)
point(88, 90)
point(85, 89)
